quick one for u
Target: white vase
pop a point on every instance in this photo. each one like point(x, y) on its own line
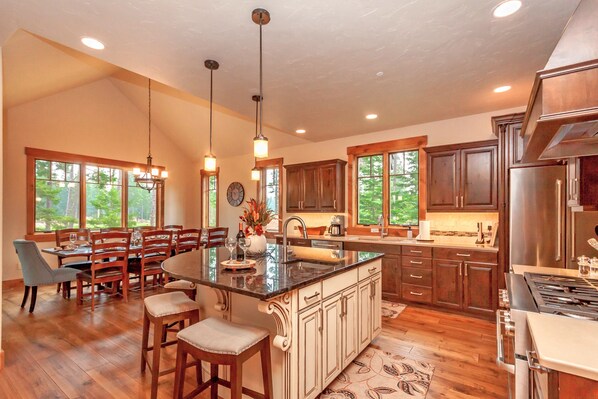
point(257, 245)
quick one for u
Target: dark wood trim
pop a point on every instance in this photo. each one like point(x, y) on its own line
point(451, 147)
point(269, 163)
point(388, 146)
point(10, 284)
point(68, 157)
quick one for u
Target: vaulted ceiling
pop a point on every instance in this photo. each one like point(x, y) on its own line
point(439, 59)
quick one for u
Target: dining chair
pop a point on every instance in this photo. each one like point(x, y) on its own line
point(187, 240)
point(156, 246)
point(36, 271)
point(144, 228)
point(109, 263)
point(62, 239)
point(173, 227)
point(111, 229)
point(216, 237)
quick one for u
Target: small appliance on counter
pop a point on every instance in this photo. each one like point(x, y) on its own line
point(337, 226)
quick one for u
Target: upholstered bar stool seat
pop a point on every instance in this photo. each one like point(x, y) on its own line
point(220, 342)
point(162, 310)
point(187, 287)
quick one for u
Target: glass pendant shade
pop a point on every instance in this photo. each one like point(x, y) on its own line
point(260, 147)
point(209, 163)
point(256, 174)
point(137, 171)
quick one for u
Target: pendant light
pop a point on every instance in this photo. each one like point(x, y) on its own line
point(260, 142)
point(255, 172)
point(151, 177)
point(209, 161)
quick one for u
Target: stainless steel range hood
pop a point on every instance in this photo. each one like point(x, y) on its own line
point(562, 115)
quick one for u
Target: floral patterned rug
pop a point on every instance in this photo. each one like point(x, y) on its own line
point(392, 309)
point(376, 374)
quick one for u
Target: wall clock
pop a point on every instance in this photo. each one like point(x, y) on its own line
point(235, 193)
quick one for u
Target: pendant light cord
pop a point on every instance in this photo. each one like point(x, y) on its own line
point(211, 89)
point(261, 88)
point(149, 119)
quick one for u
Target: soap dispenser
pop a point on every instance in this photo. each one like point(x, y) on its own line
point(409, 233)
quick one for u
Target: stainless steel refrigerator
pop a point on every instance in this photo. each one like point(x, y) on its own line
point(538, 231)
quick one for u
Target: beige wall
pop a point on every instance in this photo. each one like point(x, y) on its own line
point(97, 120)
point(1, 195)
point(459, 130)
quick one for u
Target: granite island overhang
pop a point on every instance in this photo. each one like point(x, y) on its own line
point(323, 307)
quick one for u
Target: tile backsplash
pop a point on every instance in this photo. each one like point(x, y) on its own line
point(459, 224)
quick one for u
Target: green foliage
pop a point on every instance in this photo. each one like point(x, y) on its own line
point(104, 198)
point(56, 195)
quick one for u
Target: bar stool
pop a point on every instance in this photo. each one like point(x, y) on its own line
point(161, 310)
point(187, 287)
point(220, 342)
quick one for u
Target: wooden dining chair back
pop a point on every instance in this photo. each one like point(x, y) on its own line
point(109, 262)
point(156, 246)
point(145, 228)
point(216, 237)
point(173, 227)
point(187, 240)
point(63, 236)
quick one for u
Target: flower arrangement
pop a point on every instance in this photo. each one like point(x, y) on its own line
point(256, 216)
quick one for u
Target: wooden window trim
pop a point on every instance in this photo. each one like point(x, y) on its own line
point(34, 154)
point(385, 148)
point(205, 174)
point(268, 163)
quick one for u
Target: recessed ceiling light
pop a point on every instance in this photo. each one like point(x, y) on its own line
point(300, 131)
point(371, 116)
point(502, 89)
point(92, 43)
point(506, 8)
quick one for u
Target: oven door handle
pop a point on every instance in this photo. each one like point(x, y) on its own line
point(500, 349)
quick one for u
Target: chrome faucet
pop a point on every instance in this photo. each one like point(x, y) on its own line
point(381, 224)
point(284, 235)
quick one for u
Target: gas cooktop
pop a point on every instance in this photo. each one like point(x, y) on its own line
point(575, 297)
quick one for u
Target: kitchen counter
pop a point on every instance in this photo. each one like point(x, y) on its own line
point(565, 344)
point(444, 241)
point(270, 277)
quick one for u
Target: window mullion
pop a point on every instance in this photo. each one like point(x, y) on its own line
point(386, 187)
point(83, 195)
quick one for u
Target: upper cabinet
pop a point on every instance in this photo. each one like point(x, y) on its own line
point(463, 177)
point(316, 186)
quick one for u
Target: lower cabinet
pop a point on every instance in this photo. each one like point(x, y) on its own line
point(391, 284)
point(448, 283)
point(332, 338)
point(365, 333)
point(310, 350)
point(350, 326)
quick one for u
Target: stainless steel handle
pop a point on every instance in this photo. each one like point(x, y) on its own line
point(372, 270)
point(534, 364)
point(500, 350)
point(414, 276)
point(415, 262)
point(573, 237)
point(414, 251)
point(321, 327)
point(342, 307)
point(372, 289)
point(559, 214)
point(416, 293)
point(334, 204)
point(464, 255)
point(461, 201)
point(460, 265)
point(457, 201)
point(466, 270)
point(309, 298)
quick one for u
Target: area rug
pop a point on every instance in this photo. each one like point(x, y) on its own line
point(392, 310)
point(376, 374)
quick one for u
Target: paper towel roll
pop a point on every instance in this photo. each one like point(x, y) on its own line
point(424, 230)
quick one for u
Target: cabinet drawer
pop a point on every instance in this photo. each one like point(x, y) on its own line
point(416, 293)
point(310, 295)
point(411, 261)
point(370, 269)
point(389, 249)
point(297, 242)
point(412, 275)
point(417, 251)
point(338, 283)
point(466, 255)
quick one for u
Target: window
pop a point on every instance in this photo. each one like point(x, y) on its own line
point(209, 198)
point(75, 191)
point(270, 190)
point(387, 184)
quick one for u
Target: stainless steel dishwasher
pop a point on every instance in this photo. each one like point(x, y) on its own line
point(327, 244)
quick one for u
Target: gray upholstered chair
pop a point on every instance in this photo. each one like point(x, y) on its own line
point(36, 271)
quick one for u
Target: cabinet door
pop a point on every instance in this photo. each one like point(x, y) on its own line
point(443, 181)
point(391, 277)
point(364, 314)
point(515, 144)
point(447, 278)
point(310, 180)
point(480, 286)
point(376, 305)
point(294, 189)
point(479, 178)
point(328, 188)
point(350, 326)
point(331, 339)
point(310, 349)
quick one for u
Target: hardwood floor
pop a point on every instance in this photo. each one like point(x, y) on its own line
point(63, 351)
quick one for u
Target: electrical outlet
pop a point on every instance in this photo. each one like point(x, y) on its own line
point(374, 230)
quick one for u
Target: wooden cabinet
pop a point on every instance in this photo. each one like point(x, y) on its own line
point(316, 186)
point(310, 349)
point(480, 287)
point(294, 241)
point(349, 326)
point(448, 283)
point(588, 183)
point(391, 281)
point(463, 177)
point(331, 338)
point(364, 293)
point(376, 305)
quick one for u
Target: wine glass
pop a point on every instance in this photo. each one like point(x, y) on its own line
point(73, 239)
point(244, 243)
point(231, 244)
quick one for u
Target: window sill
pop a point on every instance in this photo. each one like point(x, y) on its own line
point(392, 231)
point(41, 237)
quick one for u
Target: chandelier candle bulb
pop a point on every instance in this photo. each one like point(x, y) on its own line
point(164, 174)
point(136, 171)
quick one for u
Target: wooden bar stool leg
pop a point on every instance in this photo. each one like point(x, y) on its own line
point(214, 378)
point(144, 342)
point(156, 356)
point(236, 379)
point(179, 374)
point(266, 368)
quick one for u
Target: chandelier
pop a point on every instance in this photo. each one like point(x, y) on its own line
point(260, 142)
point(150, 177)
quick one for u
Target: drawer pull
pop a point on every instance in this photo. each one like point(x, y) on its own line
point(372, 270)
point(415, 262)
point(466, 255)
point(309, 298)
point(414, 251)
point(416, 293)
point(414, 276)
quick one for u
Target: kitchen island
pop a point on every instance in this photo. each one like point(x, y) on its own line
point(323, 307)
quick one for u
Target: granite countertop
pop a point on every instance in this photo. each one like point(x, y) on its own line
point(270, 277)
point(444, 241)
point(577, 354)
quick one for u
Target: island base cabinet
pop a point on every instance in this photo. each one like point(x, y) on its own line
point(376, 306)
point(365, 334)
point(310, 349)
point(332, 339)
point(350, 326)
